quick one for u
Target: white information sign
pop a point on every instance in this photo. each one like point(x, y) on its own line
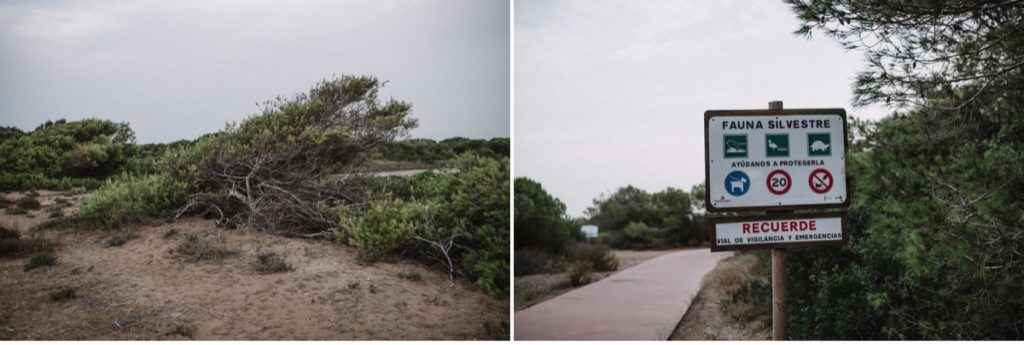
point(782, 159)
point(777, 232)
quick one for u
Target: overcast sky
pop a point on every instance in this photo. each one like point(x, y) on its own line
point(611, 93)
point(179, 69)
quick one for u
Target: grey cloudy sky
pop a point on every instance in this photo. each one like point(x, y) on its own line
point(610, 93)
point(179, 69)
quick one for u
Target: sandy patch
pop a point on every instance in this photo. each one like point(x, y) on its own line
point(710, 318)
point(142, 290)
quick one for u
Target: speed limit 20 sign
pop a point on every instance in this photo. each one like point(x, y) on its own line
point(775, 159)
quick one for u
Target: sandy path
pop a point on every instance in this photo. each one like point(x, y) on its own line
point(143, 291)
point(641, 303)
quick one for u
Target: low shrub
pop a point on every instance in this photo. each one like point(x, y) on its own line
point(270, 262)
point(579, 273)
point(64, 293)
point(121, 237)
point(184, 330)
point(751, 301)
point(16, 210)
point(4, 203)
point(40, 260)
point(410, 276)
point(599, 256)
point(28, 203)
point(202, 249)
point(132, 198)
point(6, 233)
point(23, 247)
point(56, 212)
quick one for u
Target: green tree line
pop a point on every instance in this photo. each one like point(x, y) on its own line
point(936, 233)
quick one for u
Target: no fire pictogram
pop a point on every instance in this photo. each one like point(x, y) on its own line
point(820, 181)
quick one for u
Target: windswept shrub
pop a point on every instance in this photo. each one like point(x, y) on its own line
point(599, 256)
point(266, 172)
point(132, 198)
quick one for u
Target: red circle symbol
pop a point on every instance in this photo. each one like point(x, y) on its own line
point(820, 181)
point(778, 182)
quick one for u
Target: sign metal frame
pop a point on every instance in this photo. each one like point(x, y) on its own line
point(772, 217)
point(708, 115)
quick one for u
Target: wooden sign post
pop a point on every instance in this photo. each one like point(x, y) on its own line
point(776, 161)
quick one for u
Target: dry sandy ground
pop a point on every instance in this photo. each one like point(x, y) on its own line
point(709, 318)
point(536, 288)
point(141, 290)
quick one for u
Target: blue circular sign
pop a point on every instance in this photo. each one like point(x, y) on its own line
point(737, 183)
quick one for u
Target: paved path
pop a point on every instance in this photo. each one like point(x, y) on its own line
point(644, 302)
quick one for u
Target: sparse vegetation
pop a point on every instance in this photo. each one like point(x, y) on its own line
point(270, 262)
point(751, 301)
point(170, 233)
point(410, 276)
point(182, 329)
point(40, 260)
point(6, 233)
point(16, 210)
point(198, 248)
point(62, 294)
point(55, 212)
point(121, 237)
point(23, 247)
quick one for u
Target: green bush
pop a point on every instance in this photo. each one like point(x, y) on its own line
point(131, 198)
point(386, 226)
point(62, 154)
point(531, 261)
point(600, 257)
point(540, 218)
point(468, 206)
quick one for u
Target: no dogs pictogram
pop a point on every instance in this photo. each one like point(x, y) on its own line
point(779, 182)
point(820, 181)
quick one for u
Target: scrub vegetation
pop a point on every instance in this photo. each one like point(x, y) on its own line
point(300, 167)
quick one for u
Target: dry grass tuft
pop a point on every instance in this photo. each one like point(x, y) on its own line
point(203, 249)
point(270, 262)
